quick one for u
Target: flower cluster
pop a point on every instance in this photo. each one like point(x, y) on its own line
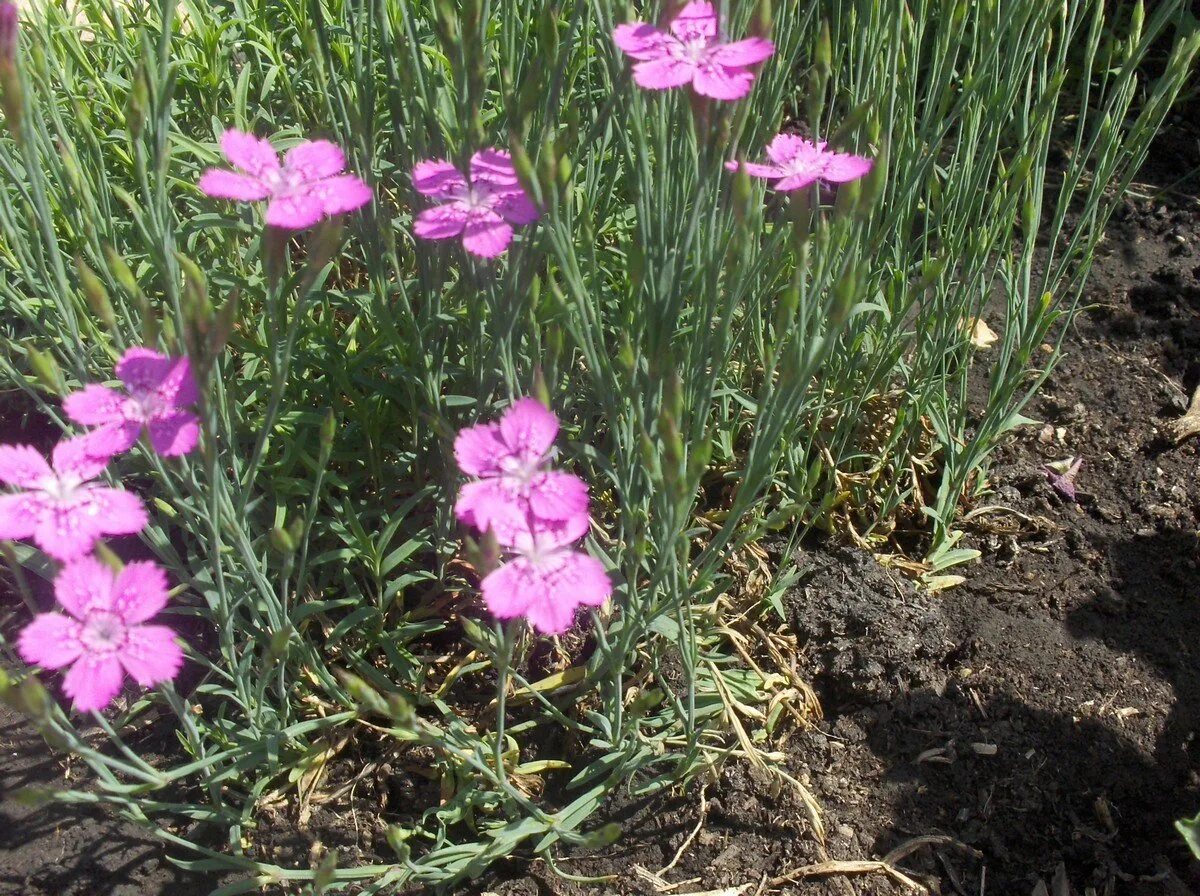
point(691, 52)
point(61, 507)
point(537, 516)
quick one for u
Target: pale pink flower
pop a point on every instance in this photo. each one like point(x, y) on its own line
point(511, 459)
point(61, 509)
point(546, 579)
point(482, 212)
point(159, 388)
point(690, 51)
point(308, 186)
point(103, 637)
point(796, 162)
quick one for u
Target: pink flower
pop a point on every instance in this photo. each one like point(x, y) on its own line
point(796, 163)
point(102, 638)
point(546, 579)
point(690, 52)
point(510, 457)
point(159, 387)
point(308, 187)
point(483, 211)
point(61, 509)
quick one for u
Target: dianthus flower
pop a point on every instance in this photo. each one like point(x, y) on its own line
point(103, 636)
point(511, 459)
point(61, 509)
point(691, 52)
point(796, 163)
point(482, 211)
point(158, 390)
point(308, 186)
point(545, 580)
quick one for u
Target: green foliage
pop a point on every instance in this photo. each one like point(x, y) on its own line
point(727, 364)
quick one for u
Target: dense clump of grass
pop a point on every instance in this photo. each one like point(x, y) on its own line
point(728, 364)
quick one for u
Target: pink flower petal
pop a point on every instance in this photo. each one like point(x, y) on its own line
point(841, 167)
point(438, 178)
point(254, 156)
point(486, 234)
point(477, 449)
point(19, 515)
point(94, 405)
point(93, 682)
point(117, 512)
point(517, 209)
point(509, 589)
point(341, 194)
point(83, 585)
point(143, 369)
point(663, 73)
point(696, 20)
point(578, 579)
point(151, 655)
point(51, 641)
point(548, 533)
point(314, 160)
point(640, 40)
point(174, 434)
point(65, 533)
point(750, 51)
point(555, 495)
point(754, 169)
point(493, 166)
point(296, 211)
point(221, 184)
point(441, 222)
point(139, 591)
point(722, 82)
point(74, 458)
point(23, 466)
point(487, 504)
point(106, 442)
point(795, 181)
point(528, 428)
point(178, 386)
point(785, 148)
point(547, 593)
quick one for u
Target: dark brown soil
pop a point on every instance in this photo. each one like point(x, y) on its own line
point(1032, 731)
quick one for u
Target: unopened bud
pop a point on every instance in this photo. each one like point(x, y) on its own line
point(10, 79)
point(8, 33)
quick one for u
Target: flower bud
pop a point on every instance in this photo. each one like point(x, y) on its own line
point(10, 80)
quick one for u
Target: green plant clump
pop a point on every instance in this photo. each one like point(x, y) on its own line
point(731, 366)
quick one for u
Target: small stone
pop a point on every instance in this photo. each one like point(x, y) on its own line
point(845, 832)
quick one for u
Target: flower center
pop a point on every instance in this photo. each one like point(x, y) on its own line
point(61, 487)
point(520, 467)
point(144, 404)
point(103, 632)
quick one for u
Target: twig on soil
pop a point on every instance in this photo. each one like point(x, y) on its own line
point(908, 847)
point(683, 847)
point(834, 867)
point(1189, 424)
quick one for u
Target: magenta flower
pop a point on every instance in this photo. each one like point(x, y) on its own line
point(511, 459)
point(796, 163)
point(61, 509)
point(546, 579)
point(308, 186)
point(690, 52)
point(159, 388)
point(103, 637)
point(483, 211)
